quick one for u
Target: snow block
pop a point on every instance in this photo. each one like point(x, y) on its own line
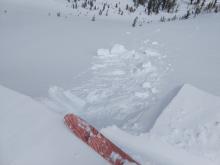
point(97, 141)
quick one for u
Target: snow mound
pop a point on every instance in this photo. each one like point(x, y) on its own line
point(118, 49)
point(32, 134)
point(192, 122)
point(64, 100)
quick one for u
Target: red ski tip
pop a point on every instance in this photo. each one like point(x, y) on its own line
point(92, 137)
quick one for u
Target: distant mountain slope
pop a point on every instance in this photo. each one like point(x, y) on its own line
point(137, 14)
point(145, 10)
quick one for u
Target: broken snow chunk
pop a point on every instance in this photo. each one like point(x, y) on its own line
point(103, 52)
point(115, 156)
point(118, 72)
point(98, 66)
point(151, 53)
point(146, 85)
point(155, 43)
point(148, 67)
point(154, 90)
point(142, 95)
point(74, 99)
point(64, 100)
point(133, 52)
point(118, 49)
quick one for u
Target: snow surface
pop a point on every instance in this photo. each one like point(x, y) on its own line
point(187, 132)
point(192, 122)
point(32, 134)
point(110, 74)
point(50, 50)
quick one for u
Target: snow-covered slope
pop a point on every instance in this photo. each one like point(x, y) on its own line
point(49, 50)
point(31, 134)
point(39, 50)
point(192, 122)
point(152, 150)
point(125, 84)
point(129, 10)
point(187, 132)
point(190, 108)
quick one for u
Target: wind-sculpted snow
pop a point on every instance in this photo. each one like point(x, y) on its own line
point(124, 84)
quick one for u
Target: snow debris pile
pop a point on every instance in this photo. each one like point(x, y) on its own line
point(124, 84)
